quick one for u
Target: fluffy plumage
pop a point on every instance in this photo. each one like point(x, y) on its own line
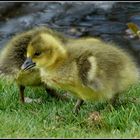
point(88, 68)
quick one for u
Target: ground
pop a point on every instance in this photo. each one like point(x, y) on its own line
point(54, 119)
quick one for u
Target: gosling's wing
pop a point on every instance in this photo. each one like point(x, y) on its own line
point(87, 65)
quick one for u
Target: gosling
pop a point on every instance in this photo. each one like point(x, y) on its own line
point(14, 54)
point(88, 68)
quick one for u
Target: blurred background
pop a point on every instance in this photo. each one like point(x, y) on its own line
point(105, 20)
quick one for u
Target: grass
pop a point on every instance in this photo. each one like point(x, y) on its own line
point(54, 119)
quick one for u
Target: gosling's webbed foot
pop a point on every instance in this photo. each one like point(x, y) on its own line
point(53, 93)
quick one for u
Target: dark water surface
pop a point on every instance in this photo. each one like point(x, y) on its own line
point(106, 20)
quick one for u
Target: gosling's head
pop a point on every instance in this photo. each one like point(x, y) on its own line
point(43, 51)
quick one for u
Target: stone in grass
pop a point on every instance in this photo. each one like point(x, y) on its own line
point(95, 117)
point(30, 100)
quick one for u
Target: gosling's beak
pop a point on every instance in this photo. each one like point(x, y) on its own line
point(28, 64)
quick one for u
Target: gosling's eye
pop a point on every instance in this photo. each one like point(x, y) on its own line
point(37, 53)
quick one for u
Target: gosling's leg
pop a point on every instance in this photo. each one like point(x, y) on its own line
point(53, 93)
point(77, 106)
point(21, 90)
point(114, 100)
